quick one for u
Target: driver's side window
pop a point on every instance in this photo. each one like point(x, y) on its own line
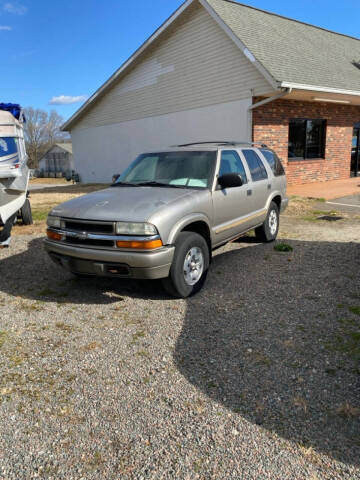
point(231, 163)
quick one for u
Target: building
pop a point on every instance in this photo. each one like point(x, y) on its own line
point(58, 161)
point(220, 70)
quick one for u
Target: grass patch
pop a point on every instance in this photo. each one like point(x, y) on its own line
point(40, 215)
point(3, 336)
point(347, 340)
point(355, 310)
point(283, 247)
point(46, 292)
point(143, 354)
point(137, 335)
point(348, 411)
point(28, 308)
point(64, 327)
point(90, 347)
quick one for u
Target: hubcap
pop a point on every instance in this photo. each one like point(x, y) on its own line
point(273, 222)
point(193, 266)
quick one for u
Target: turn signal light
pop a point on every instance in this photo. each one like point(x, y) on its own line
point(54, 235)
point(140, 245)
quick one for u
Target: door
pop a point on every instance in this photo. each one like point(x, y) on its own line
point(261, 184)
point(231, 206)
point(355, 151)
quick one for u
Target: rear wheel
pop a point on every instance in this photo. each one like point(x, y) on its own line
point(268, 231)
point(190, 265)
point(26, 214)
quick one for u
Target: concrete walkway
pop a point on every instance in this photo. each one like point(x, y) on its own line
point(327, 190)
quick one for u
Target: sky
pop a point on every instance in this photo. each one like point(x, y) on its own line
point(55, 54)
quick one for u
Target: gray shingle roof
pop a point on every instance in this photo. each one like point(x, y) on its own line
point(292, 51)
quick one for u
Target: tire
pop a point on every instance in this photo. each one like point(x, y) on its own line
point(180, 284)
point(26, 214)
point(268, 231)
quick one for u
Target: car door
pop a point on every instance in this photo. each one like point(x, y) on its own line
point(261, 185)
point(231, 206)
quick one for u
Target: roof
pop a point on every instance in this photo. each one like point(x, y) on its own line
point(65, 146)
point(289, 53)
point(293, 51)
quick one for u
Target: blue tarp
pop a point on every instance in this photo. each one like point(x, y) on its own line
point(13, 108)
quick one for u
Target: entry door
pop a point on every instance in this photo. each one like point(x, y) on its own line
point(355, 152)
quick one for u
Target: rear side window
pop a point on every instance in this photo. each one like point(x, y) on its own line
point(256, 167)
point(274, 162)
point(231, 163)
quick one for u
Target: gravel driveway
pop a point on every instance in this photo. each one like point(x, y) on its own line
point(257, 377)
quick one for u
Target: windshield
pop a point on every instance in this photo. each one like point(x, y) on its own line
point(8, 146)
point(171, 169)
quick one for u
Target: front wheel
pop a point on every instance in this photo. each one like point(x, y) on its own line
point(268, 231)
point(190, 265)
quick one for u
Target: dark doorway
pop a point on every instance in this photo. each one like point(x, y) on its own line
point(355, 151)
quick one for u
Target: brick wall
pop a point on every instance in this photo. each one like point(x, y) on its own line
point(271, 126)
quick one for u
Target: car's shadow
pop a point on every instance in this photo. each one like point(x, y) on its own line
point(32, 275)
point(264, 338)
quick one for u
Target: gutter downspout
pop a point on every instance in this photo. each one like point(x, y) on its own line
point(281, 94)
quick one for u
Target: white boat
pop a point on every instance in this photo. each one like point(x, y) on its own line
point(14, 172)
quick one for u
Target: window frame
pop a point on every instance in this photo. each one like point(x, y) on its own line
point(323, 139)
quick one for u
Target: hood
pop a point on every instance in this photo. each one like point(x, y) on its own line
point(133, 204)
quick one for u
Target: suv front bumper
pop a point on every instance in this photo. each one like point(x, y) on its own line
point(112, 263)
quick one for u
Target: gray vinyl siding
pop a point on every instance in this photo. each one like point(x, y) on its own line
point(192, 64)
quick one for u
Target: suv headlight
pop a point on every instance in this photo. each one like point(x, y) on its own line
point(54, 222)
point(127, 228)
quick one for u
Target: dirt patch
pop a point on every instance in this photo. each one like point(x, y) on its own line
point(47, 181)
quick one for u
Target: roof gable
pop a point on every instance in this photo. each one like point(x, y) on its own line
point(67, 147)
point(285, 51)
point(292, 51)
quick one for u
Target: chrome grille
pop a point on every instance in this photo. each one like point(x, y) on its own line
point(79, 232)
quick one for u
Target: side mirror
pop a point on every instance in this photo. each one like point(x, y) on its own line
point(230, 180)
point(115, 177)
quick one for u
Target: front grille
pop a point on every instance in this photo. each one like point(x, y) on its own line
point(89, 227)
point(89, 242)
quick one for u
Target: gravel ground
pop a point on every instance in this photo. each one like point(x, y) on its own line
point(254, 378)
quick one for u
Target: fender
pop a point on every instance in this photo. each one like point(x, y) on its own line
point(274, 194)
point(183, 222)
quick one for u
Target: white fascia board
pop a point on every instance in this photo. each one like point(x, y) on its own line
point(128, 62)
point(273, 82)
point(314, 88)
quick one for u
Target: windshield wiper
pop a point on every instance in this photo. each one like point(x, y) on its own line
point(159, 184)
point(124, 184)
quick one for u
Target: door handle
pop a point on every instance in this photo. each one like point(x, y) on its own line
point(249, 192)
point(269, 186)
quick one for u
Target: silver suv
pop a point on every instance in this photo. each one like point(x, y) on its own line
point(167, 211)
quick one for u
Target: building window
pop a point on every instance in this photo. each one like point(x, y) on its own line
point(306, 138)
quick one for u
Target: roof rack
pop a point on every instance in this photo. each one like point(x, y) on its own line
point(222, 142)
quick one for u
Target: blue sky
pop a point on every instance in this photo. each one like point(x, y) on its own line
point(70, 47)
